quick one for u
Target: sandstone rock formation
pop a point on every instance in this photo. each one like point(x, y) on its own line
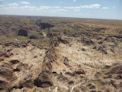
point(45, 54)
point(68, 65)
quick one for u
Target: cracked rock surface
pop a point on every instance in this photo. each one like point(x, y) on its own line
point(63, 67)
point(44, 54)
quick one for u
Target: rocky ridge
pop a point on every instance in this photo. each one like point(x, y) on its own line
point(70, 64)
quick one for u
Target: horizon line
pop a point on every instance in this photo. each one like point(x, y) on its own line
point(61, 17)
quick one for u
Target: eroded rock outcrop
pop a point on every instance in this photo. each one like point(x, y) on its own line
point(66, 66)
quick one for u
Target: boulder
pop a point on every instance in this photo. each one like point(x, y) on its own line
point(43, 80)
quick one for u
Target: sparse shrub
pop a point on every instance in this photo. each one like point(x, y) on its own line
point(22, 32)
point(33, 37)
point(44, 25)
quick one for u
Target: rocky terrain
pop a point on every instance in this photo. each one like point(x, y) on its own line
point(73, 56)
